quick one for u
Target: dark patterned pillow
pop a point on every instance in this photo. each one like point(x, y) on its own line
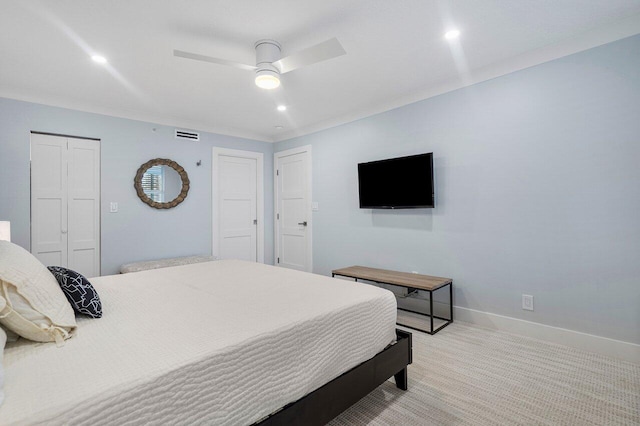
point(83, 297)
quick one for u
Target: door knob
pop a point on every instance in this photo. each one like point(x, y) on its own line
point(303, 223)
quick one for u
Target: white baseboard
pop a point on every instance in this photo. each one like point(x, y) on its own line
point(575, 339)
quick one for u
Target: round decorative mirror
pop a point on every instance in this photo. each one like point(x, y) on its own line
point(161, 183)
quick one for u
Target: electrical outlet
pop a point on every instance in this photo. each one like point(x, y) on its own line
point(527, 302)
point(113, 207)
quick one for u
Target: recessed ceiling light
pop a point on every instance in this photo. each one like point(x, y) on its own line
point(99, 59)
point(278, 127)
point(282, 108)
point(452, 34)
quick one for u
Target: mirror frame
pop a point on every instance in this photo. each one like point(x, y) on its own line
point(137, 183)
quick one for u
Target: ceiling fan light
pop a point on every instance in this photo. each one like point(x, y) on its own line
point(267, 79)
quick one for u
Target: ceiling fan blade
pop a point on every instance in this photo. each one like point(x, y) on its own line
point(320, 52)
point(204, 58)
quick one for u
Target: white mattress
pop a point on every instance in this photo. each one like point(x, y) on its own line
point(225, 342)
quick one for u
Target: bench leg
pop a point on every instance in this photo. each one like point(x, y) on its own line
point(401, 379)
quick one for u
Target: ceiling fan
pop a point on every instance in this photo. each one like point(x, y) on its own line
point(269, 64)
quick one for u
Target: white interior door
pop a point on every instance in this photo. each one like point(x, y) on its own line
point(49, 199)
point(238, 227)
point(293, 208)
point(84, 206)
point(65, 202)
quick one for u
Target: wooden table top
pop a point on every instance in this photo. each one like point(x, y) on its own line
point(404, 279)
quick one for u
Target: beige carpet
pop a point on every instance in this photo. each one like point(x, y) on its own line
point(467, 375)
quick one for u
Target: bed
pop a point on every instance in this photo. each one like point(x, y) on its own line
point(224, 342)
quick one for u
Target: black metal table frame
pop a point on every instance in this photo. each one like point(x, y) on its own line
point(411, 290)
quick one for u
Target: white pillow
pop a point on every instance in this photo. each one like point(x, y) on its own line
point(35, 306)
point(11, 336)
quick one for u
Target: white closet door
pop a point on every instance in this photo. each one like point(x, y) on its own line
point(237, 209)
point(84, 206)
point(65, 202)
point(49, 199)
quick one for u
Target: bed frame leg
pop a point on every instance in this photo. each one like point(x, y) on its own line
point(401, 379)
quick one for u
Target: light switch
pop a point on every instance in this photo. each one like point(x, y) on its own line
point(314, 206)
point(113, 207)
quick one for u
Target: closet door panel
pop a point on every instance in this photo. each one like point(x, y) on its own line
point(49, 199)
point(84, 206)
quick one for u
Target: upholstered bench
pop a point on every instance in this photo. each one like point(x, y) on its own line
point(163, 263)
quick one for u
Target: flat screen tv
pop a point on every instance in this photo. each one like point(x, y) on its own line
point(397, 183)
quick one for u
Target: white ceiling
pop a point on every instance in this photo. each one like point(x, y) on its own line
point(396, 54)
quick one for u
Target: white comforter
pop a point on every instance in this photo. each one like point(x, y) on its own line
point(225, 342)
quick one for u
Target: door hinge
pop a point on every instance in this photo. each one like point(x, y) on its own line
point(278, 260)
point(255, 221)
point(278, 216)
point(277, 172)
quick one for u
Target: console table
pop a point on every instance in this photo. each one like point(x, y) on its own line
point(413, 282)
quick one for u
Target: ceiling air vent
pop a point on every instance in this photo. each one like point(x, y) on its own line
point(185, 134)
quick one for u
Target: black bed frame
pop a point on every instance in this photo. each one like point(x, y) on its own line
point(322, 405)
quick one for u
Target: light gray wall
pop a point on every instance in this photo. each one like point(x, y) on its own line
point(537, 192)
point(137, 231)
